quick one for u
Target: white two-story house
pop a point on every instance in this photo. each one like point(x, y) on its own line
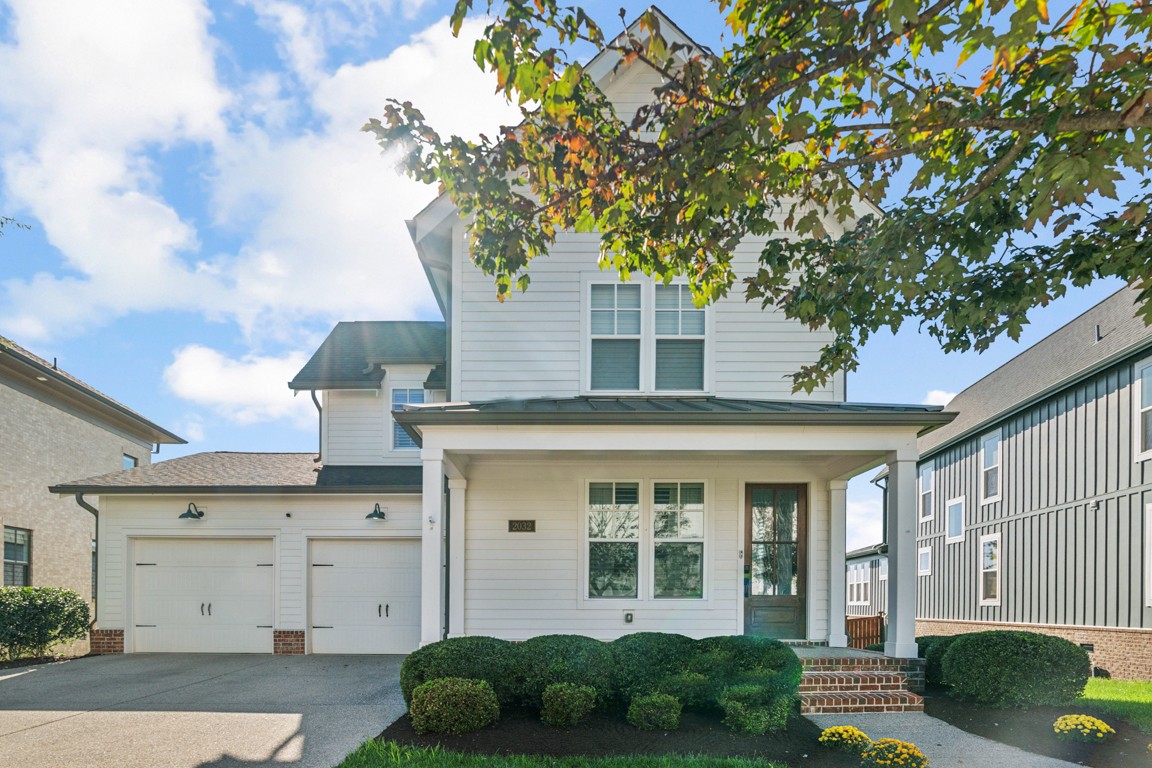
point(593, 456)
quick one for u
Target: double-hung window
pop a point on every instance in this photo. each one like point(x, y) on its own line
point(924, 561)
point(990, 467)
point(613, 540)
point(1142, 408)
point(679, 364)
point(678, 540)
point(954, 519)
point(616, 337)
point(401, 396)
point(926, 511)
point(859, 583)
point(990, 569)
point(17, 557)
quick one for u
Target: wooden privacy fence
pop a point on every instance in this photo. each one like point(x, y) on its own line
point(865, 630)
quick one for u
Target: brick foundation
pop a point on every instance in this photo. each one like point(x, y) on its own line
point(1125, 653)
point(288, 641)
point(105, 641)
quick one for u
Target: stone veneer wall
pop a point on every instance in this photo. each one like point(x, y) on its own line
point(1125, 653)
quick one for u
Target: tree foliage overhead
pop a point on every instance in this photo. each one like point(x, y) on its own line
point(1008, 142)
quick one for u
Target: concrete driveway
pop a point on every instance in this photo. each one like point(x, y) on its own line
point(186, 710)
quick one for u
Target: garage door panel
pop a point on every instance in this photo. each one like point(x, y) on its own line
point(365, 595)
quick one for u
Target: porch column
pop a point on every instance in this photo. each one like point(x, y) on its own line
point(432, 548)
point(838, 489)
point(457, 488)
point(901, 642)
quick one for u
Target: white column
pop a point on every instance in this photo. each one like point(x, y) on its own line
point(837, 636)
point(457, 488)
point(432, 548)
point(901, 641)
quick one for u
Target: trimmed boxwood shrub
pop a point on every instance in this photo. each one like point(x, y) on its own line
point(655, 712)
point(641, 661)
point(453, 705)
point(754, 680)
point(34, 619)
point(933, 654)
point(1007, 668)
point(474, 658)
point(755, 708)
point(566, 704)
point(564, 659)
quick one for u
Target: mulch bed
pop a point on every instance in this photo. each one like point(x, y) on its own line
point(602, 735)
point(1031, 730)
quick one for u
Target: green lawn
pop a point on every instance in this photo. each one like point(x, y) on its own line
point(1129, 699)
point(381, 754)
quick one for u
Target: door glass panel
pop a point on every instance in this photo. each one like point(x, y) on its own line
point(775, 539)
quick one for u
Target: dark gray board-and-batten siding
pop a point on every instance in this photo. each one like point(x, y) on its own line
point(1072, 515)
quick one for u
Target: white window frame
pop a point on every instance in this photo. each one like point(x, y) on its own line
point(646, 556)
point(980, 570)
point(959, 500)
point(931, 492)
point(430, 396)
point(647, 342)
point(25, 564)
point(882, 566)
point(999, 465)
point(859, 583)
point(1138, 412)
point(920, 569)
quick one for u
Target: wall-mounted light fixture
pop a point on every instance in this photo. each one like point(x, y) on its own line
point(192, 513)
point(376, 514)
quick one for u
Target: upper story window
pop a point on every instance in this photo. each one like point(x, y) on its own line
point(990, 569)
point(883, 569)
point(129, 462)
point(1143, 410)
point(926, 510)
point(17, 557)
point(954, 512)
point(645, 338)
point(401, 396)
point(990, 467)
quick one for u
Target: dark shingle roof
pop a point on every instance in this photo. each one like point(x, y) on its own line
point(229, 472)
point(1067, 355)
point(50, 374)
point(354, 352)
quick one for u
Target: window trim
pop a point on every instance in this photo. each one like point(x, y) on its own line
point(920, 569)
point(392, 409)
point(125, 458)
point(980, 570)
point(963, 520)
point(882, 569)
point(862, 579)
point(999, 465)
point(26, 563)
point(921, 493)
point(653, 541)
point(1138, 369)
point(648, 339)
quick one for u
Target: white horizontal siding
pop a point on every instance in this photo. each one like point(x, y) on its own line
point(357, 424)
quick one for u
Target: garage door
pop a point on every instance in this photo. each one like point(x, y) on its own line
point(365, 595)
point(203, 595)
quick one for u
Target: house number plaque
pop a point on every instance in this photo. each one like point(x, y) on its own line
point(521, 526)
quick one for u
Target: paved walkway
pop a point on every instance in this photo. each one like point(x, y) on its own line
point(195, 711)
point(944, 745)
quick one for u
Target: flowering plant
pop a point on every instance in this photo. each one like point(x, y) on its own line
point(845, 737)
point(889, 753)
point(1084, 728)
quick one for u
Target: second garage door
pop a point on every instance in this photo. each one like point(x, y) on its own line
point(364, 595)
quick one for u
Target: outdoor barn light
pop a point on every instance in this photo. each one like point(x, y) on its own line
point(193, 513)
point(376, 514)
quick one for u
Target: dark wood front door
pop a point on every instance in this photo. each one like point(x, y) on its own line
point(775, 548)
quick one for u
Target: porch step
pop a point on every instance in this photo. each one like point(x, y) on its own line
point(858, 663)
point(848, 682)
point(843, 702)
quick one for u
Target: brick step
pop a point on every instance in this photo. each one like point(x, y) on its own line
point(856, 664)
point(845, 682)
point(835, 703)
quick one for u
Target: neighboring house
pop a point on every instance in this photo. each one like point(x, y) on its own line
point(592, 456)
point(1036, 502)
point(867, 580)
point(54, 426)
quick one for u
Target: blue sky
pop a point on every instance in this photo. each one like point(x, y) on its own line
point(203, 206)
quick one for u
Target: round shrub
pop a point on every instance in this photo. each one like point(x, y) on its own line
point(474, 658)
point(885, 753)
point(566, 704)
point(1083, 728)
point(564, 659)
point(1006, 668)
point(847, 738)
point(641, 661)
point(655, 712)
point(453, 705)
point(34, 619)
point(755, 708)
point(933, 654)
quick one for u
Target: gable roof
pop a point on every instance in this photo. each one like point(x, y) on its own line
point(43, 375)
point(1105, 334)
point(228, 472)
point(355, 352)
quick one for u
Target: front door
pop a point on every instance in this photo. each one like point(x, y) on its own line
point(775, 520)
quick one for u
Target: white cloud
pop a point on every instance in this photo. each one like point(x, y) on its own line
point(249, 390)
point(864, 522)
point(938, 397)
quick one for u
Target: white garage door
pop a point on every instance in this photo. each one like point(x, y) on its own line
point(203, 595)
point(365, 595)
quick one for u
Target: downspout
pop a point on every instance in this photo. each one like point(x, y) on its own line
point(96, 580)
point(319, 427)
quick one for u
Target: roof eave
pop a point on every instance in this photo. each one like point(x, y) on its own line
point(232, 490)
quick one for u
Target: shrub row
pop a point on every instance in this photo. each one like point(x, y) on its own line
point(1007, 668)
point(34, 619)
point(754, 681)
